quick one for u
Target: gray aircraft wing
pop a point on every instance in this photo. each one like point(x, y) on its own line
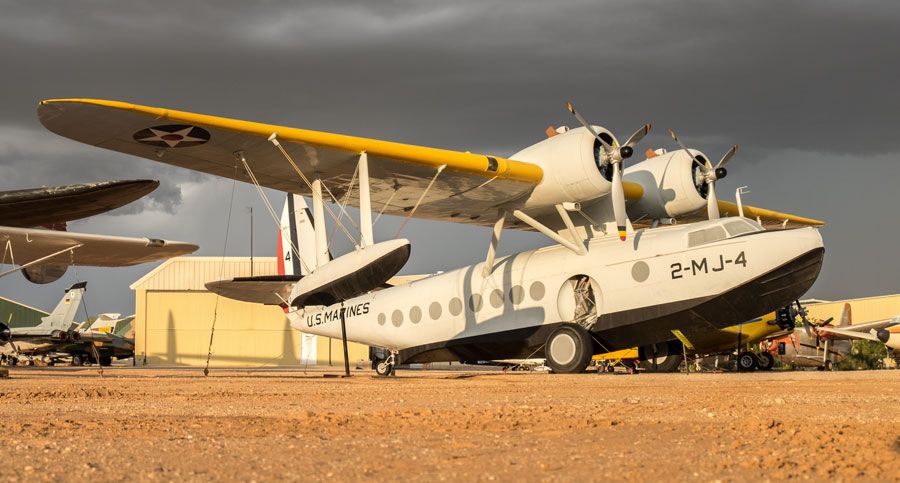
point(59, 204)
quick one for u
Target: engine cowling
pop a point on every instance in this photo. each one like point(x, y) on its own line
point(44, 273)
point(883, 335)
point(572, 168)
point(672, 185)
point(5, 333)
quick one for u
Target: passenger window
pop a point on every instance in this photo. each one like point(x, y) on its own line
point(707, 235)
point(739, 227)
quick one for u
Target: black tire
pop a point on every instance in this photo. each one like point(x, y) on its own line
point(383, 368)
point(829, 366)
point(77, 360)
point(766, 361)
point(105, 361)
point(662, 357)
point(747, 361)
point(568, 349)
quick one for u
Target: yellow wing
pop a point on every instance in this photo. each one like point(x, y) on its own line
point(468, 190)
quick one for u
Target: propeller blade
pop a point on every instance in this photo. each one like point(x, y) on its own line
point(806, 329)
point(638, 135)
point(826, 322)
point(606, 147)
point(618, 201)
point(712, 203)
point(674, 136)
point(727, 156)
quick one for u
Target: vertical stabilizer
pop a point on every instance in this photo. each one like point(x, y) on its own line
point(846, 316)
point(296, 231)
point(64, 314)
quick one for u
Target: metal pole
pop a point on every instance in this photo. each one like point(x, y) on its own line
point(251, 241)
point(344, 340)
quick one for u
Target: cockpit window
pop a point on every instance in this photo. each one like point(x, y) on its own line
point(706, 235)
point(741, 226)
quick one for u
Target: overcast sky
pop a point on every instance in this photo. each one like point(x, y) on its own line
point(808, 89)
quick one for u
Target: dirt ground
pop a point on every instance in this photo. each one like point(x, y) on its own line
point(140, 424)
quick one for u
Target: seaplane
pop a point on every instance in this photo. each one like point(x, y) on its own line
point(635, 259)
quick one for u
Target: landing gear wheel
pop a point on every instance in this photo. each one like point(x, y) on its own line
point(569, 349)
point(766, 361)
point(384, 368)
point(662, 357)
point(747, 361)
point(828, 366)
point(77, 360)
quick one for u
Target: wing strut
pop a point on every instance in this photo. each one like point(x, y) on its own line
point(577, 246)
point(365, 202)
point(492, 248)
point(39, 260)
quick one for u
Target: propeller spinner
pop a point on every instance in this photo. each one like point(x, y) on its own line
point(614, 155)
point(710, 174)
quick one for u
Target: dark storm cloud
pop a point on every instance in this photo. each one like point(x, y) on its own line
point(806, 88)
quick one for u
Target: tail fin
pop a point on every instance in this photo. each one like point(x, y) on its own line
point(846, 316)
point(64, 314)
point(106, 322)
point(297, 231)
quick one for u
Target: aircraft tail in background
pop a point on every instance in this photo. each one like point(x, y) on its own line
point(64, 314)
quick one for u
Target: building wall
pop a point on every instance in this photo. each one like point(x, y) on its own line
point(15, 314)
point(862, 309)
point(174, 315)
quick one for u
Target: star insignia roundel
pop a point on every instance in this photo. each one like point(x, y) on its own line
point(172, 136)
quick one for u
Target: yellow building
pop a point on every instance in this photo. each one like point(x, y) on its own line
point(864, 309)
point(174, 315)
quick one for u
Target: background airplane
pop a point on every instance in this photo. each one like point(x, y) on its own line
point(34, 237)
point(54, 331)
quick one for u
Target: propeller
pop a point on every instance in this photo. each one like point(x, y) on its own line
point(710, 174)
point(614, 155)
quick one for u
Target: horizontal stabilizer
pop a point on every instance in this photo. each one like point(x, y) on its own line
point(267, 289)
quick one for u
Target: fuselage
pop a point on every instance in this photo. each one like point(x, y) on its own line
point(690, 278)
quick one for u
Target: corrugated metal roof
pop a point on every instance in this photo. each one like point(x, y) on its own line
point(193, 273)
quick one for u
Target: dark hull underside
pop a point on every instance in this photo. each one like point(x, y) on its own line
point(646, 325)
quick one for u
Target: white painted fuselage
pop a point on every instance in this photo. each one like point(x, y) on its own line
point(657, 281)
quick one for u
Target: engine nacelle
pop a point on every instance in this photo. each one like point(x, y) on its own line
point(44, 273)
point(883, 335)
point(572, 170)
point(672, 185)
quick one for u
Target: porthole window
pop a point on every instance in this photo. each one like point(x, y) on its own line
point(397, 318)
point(475, 302)
point(435, 310)
point(496, 298)
point(537, 291)
point(516, 294)
point(415, 314)
point(455, 306)
point(381, 319)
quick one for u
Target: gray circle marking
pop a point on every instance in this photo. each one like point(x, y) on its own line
point(381, 319)
point(397, 318)
point(475, 302)
point(455, 306)
point(496, 298)
point(516, 294)
point(415, 314)
point(537, 291)
point(640, 271)
point(435, 310)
